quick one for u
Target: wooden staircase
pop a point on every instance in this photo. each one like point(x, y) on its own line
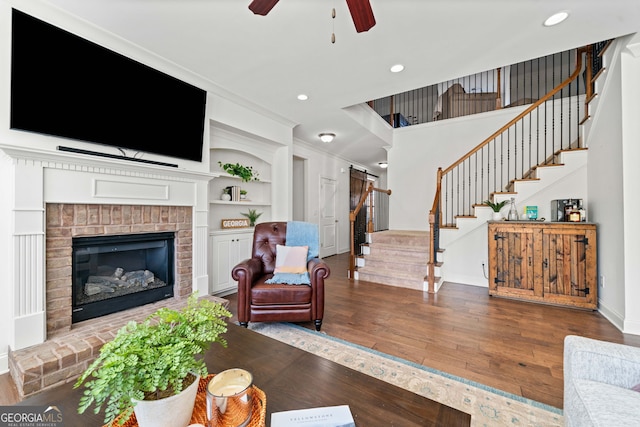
point(395, 258)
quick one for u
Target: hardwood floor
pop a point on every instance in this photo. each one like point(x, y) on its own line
point(506, 344)
point(510, 345)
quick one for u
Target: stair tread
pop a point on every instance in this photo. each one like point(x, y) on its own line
point(548, 165)
point(399, 274)
point(402, 247)
point(391, 259)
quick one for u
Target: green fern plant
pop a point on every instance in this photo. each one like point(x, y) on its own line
point(495, 206)
point(152, 359)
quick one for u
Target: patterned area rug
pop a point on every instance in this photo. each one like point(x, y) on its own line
point(488, 406)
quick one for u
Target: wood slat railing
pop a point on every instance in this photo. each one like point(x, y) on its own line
point(352, 220)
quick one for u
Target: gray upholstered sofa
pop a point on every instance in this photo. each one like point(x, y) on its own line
point(598, 381)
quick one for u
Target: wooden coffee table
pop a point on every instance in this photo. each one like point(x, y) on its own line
point(293, 379)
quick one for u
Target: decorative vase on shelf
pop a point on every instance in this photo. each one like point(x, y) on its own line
point(225, 196)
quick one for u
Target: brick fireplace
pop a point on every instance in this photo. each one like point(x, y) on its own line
point(49, 198)
point(66, 221)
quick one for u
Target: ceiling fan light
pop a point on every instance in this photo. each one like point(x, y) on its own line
point(326, 137)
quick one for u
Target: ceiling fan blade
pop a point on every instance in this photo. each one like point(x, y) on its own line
point(262, 7)
point(362, 15)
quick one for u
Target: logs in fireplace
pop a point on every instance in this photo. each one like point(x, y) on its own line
point(118, 272)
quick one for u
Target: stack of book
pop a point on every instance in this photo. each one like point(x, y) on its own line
point(235, 193)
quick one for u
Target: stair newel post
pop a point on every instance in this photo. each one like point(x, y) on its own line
point(370, 223)
point(352, 220)
point(352, 255)
point(434, 230)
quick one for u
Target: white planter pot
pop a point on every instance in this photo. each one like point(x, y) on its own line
point(497, 216)
point(173, 411)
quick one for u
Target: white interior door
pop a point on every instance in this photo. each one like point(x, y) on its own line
point(328, 219)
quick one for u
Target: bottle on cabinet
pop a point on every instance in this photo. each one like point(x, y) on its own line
point(574, 212)
point(513, 212)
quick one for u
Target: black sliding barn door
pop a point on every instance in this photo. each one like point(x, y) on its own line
point(357, 188)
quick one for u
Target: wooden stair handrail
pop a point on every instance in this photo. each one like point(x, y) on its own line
point(352, 220)
point(526, 112)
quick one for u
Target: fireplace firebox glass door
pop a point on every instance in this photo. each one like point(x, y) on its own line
point(115, 273)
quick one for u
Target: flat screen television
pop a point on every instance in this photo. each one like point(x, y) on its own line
point(67, 86)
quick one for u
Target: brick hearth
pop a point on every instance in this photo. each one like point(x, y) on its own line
point(65, 355)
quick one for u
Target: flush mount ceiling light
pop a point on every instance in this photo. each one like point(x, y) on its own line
point(556, 18)
point(397, 68)
point(383, 165)
point(303, 97)
point(327, 137)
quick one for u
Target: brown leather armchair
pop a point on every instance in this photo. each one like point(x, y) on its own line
point(262, 302)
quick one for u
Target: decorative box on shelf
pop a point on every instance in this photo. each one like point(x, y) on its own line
point(234, 223)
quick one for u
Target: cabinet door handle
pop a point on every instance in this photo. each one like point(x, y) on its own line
point(545, 263)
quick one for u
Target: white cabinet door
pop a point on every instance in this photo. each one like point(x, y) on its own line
point(227, 250)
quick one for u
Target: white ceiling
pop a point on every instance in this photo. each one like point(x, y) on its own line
point(269, 60)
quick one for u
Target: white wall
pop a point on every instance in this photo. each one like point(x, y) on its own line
point(614, 156)
point(630, 166)
point(318, 165)
point(299, 190)
point(605, 183)
point(417, 153)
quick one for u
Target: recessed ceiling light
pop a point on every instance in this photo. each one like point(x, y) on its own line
point(556, 18)
point(303, 97)
point(397, 68)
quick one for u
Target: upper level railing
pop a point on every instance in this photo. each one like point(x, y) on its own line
point(509, 86)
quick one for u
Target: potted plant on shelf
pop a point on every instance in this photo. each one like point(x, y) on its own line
point(157, 361)
point(243, 194)
point(497, 216)
point(253, 216)
point(246, 173)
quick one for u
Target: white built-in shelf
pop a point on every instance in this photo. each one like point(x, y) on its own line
point(246, 202)
point(259, 181)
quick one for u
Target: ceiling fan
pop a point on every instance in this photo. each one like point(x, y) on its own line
point(360, 10)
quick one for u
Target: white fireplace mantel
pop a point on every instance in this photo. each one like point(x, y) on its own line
point(37, 177)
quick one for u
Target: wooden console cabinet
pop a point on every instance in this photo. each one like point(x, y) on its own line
point(553, 263)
